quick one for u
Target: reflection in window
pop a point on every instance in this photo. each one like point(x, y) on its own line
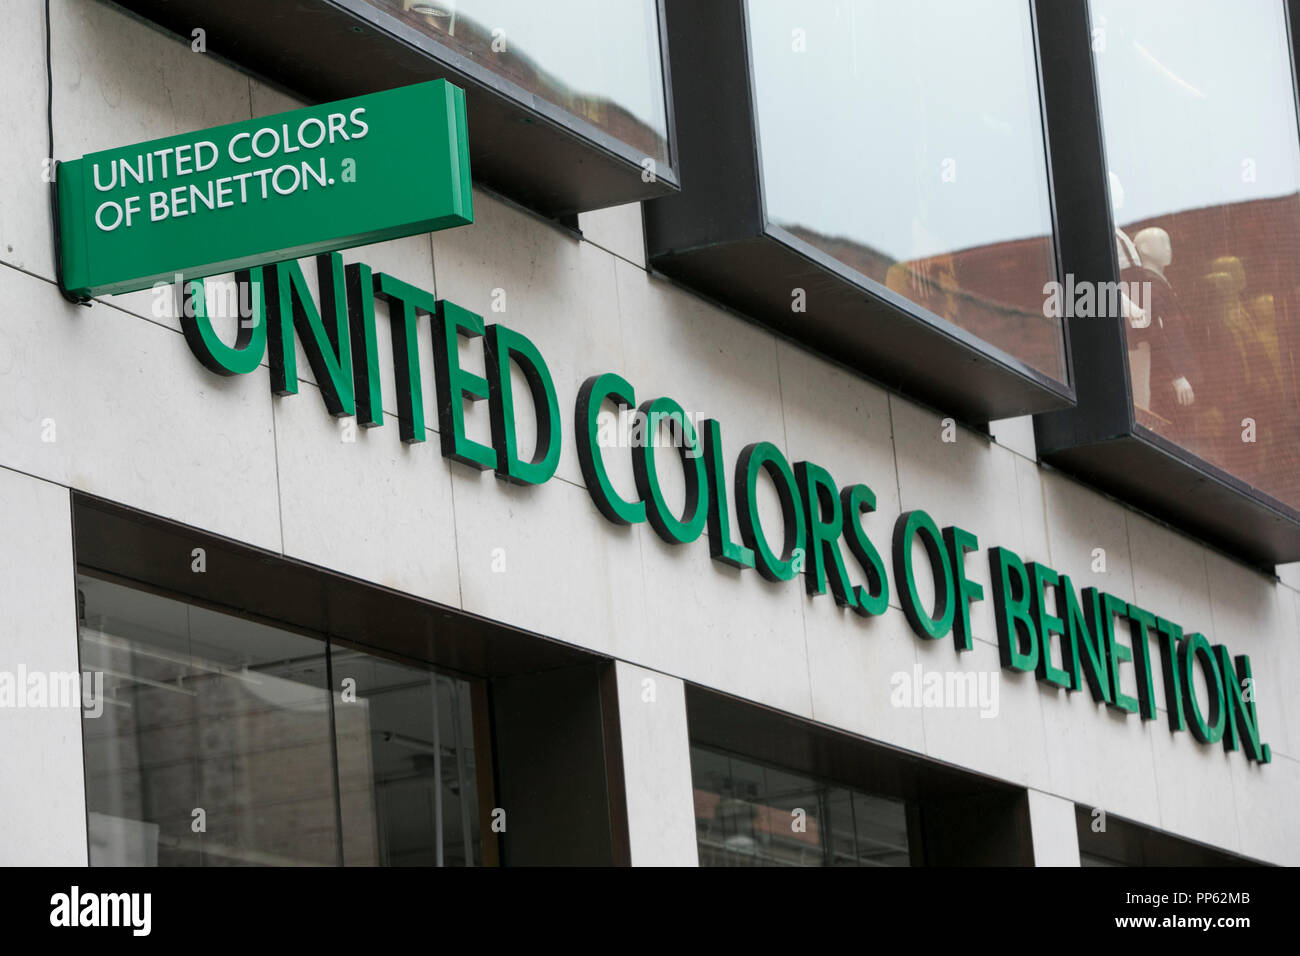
point(219, 745)
point(1199, 114)
point(598, 60)
point(413, 728)
point(914, 156)
point(748, 814)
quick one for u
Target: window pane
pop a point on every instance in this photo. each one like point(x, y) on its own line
point(841, 843)
point(727, 802)
point(882, 831)
point(792, 820)
point(406, 764)
point(1199, 115)
point(899, 147)
point(598, 60)
point(214, 745)
point(745, 816)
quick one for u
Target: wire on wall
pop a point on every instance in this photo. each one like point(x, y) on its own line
point(52, 173)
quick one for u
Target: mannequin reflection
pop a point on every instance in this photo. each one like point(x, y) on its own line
point(1165, 333)
point(1254, 327)
point(1225, 336)
point(1126, 254)
point(1242, 335)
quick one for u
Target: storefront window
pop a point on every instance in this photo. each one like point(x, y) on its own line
point(912, 155)
point(598, 60)
point(1199, 115)
point(215, 742)
point(749, 814)
point(406, 761)
point(1124, 843)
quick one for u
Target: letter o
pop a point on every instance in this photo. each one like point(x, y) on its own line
point(275, 179)
point(321, 126)
point(764, 456)
point(275, 138)
point(935, 624)
point(690, 524)
point(1193, 648)
point(98, 212)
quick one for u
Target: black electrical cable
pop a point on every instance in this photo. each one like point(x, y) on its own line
point(53, 168)
point(49, 86)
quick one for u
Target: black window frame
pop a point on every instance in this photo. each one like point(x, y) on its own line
point(522, 146)
point(1100, 439)
point(956, 816)
point(1122, 842)
point(716, 238)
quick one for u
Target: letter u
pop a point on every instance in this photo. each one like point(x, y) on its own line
point(111, 182)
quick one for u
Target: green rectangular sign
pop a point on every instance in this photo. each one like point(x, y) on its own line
point(296, 184)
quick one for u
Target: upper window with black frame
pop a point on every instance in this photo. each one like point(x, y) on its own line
point(905, 141)
point(599, 61)
point(1198, 108)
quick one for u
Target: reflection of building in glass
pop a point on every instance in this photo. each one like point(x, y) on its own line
point(749, 814)
point(220, 745)
point(993, 291)
point(859, 156)
point(1235, 272)
point(445, 21)
point(1200, 127)
point(265, 769)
